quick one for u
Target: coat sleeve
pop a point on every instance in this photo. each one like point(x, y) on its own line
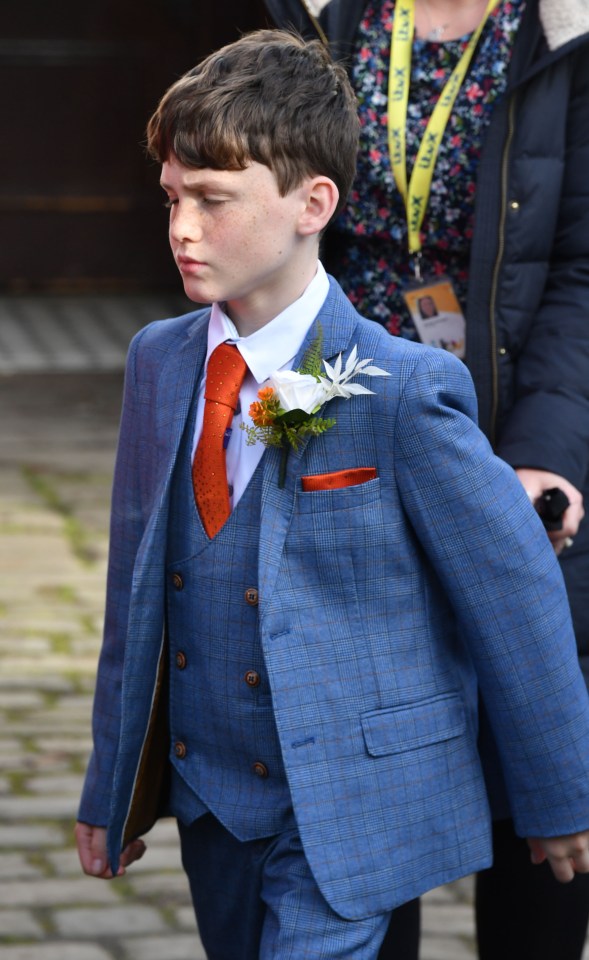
point(126, 529)
point(337, 20)
point(291, 13)
point(498, 570)
point(548, 425)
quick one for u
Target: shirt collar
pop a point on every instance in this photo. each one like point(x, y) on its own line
point(276, 344)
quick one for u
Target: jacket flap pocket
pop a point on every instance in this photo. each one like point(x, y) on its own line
point(397, 729)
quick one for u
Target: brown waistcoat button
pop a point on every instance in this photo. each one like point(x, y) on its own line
point(180, 749)
point(177, 581)
point(251, 596)
point(252, 678)
point(260, 769)
point(180, 660)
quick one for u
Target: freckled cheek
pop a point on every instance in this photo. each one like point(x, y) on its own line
point(242, 237)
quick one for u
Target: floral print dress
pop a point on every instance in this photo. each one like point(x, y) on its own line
point(373, 261)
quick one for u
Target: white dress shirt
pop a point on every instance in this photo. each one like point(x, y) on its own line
point(273, 347)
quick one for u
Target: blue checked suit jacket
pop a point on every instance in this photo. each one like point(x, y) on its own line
point(382, 607)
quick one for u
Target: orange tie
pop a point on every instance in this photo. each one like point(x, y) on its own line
point(226, 370)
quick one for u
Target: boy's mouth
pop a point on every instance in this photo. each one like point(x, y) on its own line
point(187, 264)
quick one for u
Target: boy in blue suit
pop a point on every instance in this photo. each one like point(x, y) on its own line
point(301, 612)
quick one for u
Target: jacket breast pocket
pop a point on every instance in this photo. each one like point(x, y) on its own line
point(358, 496)
point(338, 479)
point(409, 727)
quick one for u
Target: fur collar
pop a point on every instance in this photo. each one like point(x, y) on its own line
point(563, 20)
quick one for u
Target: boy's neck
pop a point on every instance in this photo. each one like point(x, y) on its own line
point(255, 311)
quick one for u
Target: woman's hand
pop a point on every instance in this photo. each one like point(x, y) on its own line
point(535, 483)
point(566, 855)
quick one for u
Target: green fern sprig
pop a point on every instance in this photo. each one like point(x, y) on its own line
point(313, 427)
point(312, 364)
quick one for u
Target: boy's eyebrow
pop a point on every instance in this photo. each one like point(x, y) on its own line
point(198, 189)
point(208, 184)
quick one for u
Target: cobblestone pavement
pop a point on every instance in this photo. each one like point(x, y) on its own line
point(57, 437)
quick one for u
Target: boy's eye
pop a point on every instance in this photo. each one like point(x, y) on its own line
point(169, 203)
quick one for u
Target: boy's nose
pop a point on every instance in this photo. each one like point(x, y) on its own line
point(185, 226)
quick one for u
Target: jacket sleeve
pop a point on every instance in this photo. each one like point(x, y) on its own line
point(126, 529)
point(548, 426)
point(500, 574)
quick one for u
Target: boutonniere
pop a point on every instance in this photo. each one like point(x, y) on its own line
point(286, 409)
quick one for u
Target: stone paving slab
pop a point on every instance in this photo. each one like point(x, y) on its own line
point(38, 808)
point(181, 947)
point(68, 784)
point(20, 925)
point(451, 919)
point(58, 950)
point(15, 866)
point(116, 921)
point(52, 891)
point(446, 949)
point(30, 837)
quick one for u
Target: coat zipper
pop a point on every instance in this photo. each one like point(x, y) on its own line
point(496, 268)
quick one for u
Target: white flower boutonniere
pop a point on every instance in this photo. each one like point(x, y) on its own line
point(286, 409)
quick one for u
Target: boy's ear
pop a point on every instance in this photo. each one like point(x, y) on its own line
point(321, 198)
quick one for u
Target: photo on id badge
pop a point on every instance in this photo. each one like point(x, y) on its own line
point(437, 316)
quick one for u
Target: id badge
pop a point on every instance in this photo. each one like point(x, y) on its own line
point(437, 316)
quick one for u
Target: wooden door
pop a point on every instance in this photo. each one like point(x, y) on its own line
point(80, 209)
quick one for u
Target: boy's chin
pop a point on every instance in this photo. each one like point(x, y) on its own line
point(197, 296)
point(199, 300)
point(195, 289)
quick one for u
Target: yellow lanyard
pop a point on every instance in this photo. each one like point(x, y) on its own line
point(417, 196)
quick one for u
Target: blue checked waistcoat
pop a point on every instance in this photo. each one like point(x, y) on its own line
point(381, 608)
point(226, 756)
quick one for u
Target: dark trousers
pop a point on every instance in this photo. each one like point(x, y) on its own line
point(401, 941)
point(258, 900)
point(522, 911)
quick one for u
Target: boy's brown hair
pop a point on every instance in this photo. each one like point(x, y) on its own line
point(270, 97)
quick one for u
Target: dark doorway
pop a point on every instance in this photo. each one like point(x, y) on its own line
point(80, 209)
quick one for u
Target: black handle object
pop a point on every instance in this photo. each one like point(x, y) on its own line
point(551, 506)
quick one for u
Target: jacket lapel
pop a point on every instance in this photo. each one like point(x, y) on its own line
point(177, 383)
point(337, 321)
point(175, 391)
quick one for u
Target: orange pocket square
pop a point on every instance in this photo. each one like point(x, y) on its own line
point(339, 479)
